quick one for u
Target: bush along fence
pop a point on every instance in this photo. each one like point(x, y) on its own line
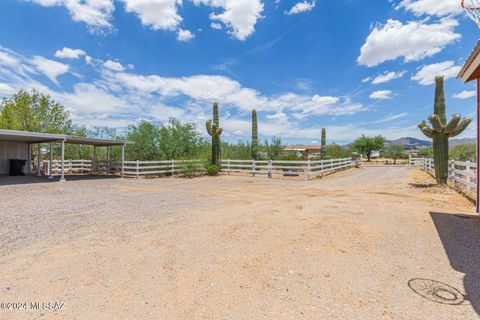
point(308, 169)
point(462, 174)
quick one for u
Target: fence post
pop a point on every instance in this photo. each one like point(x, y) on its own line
point(270, 168)
point(172, 167)
point(308, 169)
point(253, 167)
point(228, 166)
point(138, 169)
point(409, 159)
point(467, 176)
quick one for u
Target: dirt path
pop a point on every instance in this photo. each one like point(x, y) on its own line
point(362, 244)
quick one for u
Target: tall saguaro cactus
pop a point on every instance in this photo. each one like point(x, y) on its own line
point(214, 130)
point(323, 143)
point(254, 135)
point(441, 131)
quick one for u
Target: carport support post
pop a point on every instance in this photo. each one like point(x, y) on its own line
point(50, 165)
point(94, 162)
point(62, 169)
point(38, 160)
point(123, 160)
point(29, 160)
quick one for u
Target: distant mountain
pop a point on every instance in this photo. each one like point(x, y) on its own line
point(454, 142)
point(410, 143)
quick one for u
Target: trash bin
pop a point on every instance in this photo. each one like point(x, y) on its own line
point(16, 167)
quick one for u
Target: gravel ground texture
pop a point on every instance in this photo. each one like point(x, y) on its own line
point(368, 243)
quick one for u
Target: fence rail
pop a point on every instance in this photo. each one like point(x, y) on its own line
point(462, 174)
point(309, 169)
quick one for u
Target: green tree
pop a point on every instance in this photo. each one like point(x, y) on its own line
point(366, 145)
point(274, 148)
point(463, 152)
point(34, 111)
point(394, 151)
point(180, 140)
point(334, 151)
point(425, 152)
point(146, 142)
point(241, 150)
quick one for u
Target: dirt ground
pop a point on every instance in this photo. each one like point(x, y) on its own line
point(369, 243)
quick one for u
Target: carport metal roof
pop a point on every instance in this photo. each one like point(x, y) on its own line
point(36, 137)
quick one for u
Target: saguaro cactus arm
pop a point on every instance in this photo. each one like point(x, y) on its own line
point(460, 127)
point(453, 123)
point(426, 129)
point(435, 121)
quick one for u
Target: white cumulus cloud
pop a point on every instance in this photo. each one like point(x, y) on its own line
point(51, 69)
point(466, 94)
point(426, 74)
point(95, 13)
point(300, 7)
point(157, 14)
point(382, 95)
point(240, 16)
point(68, 53)
point(185, 35)
point(412, 41)
point(388, 76)
point(114, 65)
point(432, 7)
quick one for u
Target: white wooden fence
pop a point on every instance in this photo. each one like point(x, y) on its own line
point(70, 166)
point(461, 173)
point(310, 169)
point(144, 168)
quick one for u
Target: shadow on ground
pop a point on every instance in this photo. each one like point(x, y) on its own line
point(8, 180)
point(460, 236)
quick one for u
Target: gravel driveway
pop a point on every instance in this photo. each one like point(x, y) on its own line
point(369, 243)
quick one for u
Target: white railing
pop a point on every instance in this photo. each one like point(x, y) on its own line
point(144, 168)
point(310, 169)
point(460, 173)
point(70, 166)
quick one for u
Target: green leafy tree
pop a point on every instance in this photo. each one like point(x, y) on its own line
point(274, 148)
point(180, 140)
point(366, 145)
point(394, 151)
point(463, 152)
point(146, 142)
point(241, 150)
point(334, 151)
point(34, 111)
point(425, 152)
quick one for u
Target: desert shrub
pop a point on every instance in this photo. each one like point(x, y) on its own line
point(213, 170)
point(191, 169)
point(463, 152)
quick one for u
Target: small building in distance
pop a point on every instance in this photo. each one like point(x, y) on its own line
point(304, 151)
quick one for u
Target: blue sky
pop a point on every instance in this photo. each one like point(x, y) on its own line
point(351, 66)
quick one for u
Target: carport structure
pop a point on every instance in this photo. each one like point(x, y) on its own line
point(17, 144)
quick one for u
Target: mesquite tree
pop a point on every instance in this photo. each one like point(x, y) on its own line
point(214, 130)
point(255, 149)
point(441, 131)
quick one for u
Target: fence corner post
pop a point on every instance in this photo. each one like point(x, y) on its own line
point(270, 168)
